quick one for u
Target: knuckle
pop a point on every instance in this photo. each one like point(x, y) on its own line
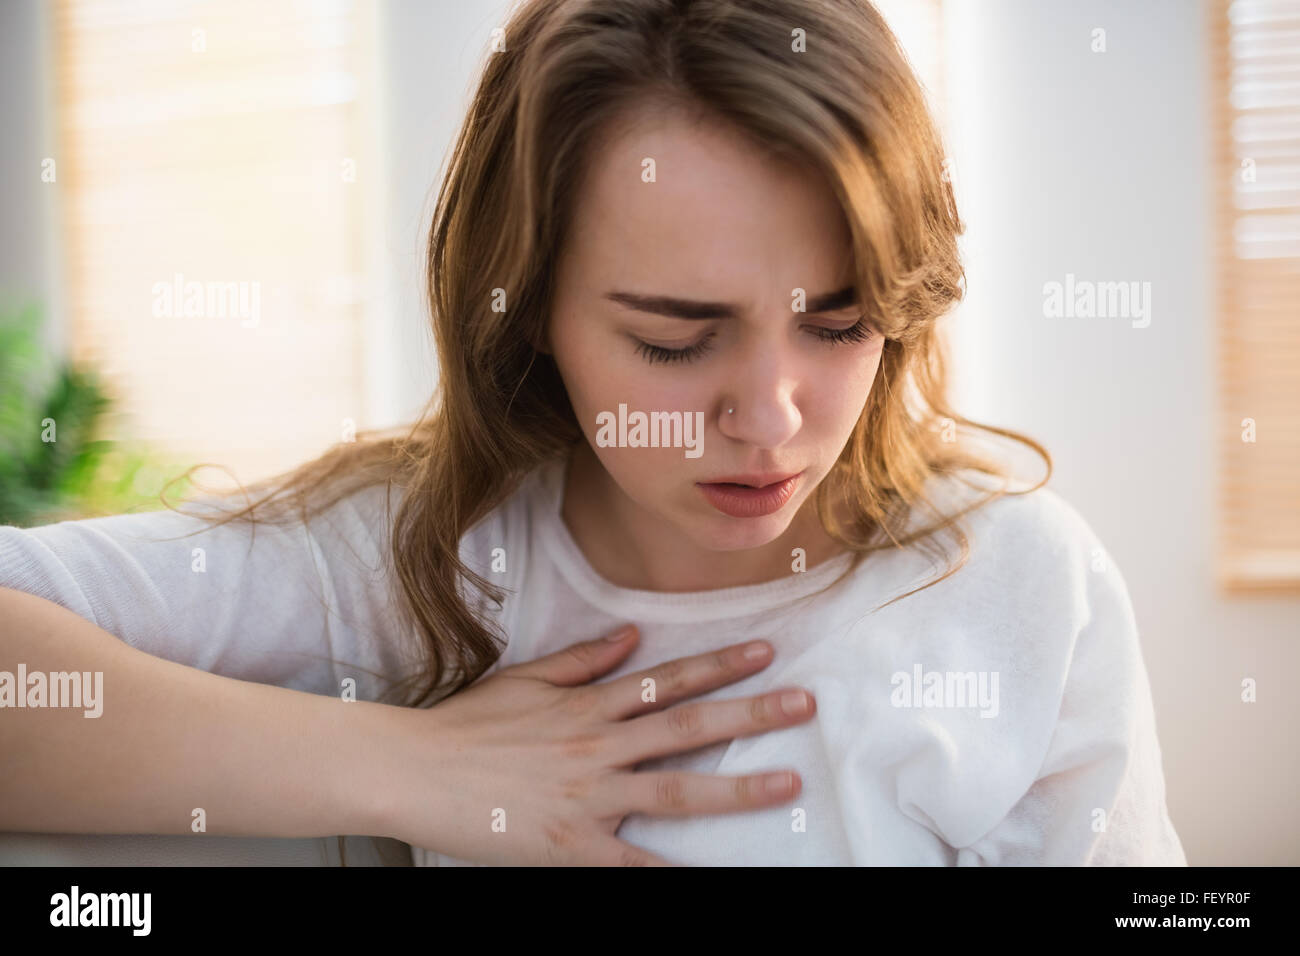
point(577, 702)
point(580, 653)
point(560, 838)
point(758, 710)
point(580, 746)
point(576, 789)
point(744, 790)
point(670, 791)
point(685, 721)
point(672, 676)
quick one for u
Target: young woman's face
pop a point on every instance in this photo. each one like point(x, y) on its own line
point(728, 236)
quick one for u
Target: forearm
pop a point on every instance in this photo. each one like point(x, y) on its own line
point(257, 760)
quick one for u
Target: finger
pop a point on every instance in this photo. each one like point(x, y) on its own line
point(582, 662)
point(700, 723)
point(677, 794)
point(681, 678)
point(610, 851)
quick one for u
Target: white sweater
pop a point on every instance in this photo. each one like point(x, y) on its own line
point(1000, 717)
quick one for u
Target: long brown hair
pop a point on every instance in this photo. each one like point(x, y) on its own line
point(821, 82)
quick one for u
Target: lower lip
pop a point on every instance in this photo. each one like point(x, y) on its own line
point(740, 502)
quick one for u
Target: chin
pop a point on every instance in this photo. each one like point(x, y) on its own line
point(716, 531)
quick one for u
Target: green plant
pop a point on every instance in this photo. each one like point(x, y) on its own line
point(53, 465)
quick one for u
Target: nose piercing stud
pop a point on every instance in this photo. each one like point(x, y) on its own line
point(730, 410)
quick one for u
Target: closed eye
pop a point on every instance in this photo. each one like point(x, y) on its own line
point(858, 332)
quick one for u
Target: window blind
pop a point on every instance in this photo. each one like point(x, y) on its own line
point(214, 166)
point(1256, 86)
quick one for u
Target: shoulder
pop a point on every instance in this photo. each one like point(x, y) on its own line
point(1037, 579)
point(498, 531)
point(517, 517)
point(276, 601)
point(1023, 534)
point(500, 545)
point(359, 523)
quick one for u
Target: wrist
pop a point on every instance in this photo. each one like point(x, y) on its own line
point(364, 782)
point(394, 752)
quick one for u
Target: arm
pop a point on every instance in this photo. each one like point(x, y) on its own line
point(296, 606)
point(260, 760)
point(264, 760)
point(1099, 796)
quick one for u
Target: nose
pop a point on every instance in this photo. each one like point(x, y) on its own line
point(762, 392)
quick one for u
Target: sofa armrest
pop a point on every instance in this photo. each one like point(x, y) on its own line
point(81, 849)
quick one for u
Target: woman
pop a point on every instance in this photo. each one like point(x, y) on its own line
point(685, 273)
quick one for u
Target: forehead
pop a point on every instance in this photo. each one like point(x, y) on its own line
point(721, 217)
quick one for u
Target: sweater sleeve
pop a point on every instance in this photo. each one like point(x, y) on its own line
point(1099, 796)
point(299, 606)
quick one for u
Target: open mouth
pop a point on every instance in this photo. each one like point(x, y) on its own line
point(740, 500)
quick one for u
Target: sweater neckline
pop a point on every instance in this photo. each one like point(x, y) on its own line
point(667, 606)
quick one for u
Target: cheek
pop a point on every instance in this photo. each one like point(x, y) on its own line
point(869, 371)
point(602, 372)
point(585, 366)
point(840, 392)
point(597, 383)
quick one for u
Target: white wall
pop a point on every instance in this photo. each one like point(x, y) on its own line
point(1099, 164)
point(430, 60)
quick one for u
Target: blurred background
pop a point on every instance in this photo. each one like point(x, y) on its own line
point(211, 252)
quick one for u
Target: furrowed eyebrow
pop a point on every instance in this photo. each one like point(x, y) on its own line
point(694, 309)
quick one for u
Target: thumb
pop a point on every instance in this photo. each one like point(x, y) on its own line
point(581, 662)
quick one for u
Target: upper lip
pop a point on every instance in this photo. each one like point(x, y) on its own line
point(756, 481)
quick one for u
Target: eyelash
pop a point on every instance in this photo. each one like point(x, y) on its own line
point(858, 332)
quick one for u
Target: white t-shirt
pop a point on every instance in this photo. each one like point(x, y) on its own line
point(1000, 717)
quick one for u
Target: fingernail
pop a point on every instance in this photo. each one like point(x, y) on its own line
point(794, 702)
point(621, 634)
point(756, 651)
point(778, 783)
